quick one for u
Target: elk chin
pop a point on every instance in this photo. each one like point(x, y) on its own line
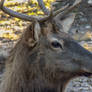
point(72, 76)
point(86, 73)
point(83, 74)
point(78, 74)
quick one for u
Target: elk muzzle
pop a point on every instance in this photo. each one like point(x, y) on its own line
point(81, 56)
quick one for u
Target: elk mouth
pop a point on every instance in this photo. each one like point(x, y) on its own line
point(81, 74)
point(86, 74)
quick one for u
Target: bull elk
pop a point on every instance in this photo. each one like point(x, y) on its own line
point(45, 58)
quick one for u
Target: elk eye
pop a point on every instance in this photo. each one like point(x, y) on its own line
point(56, 44)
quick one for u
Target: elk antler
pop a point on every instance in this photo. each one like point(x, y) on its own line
point(16, 14)
point(46, 11)
point(42, 6)
point(20, 15)
point(65, 10)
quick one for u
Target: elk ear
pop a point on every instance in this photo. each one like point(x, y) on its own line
point(37, 31)
point(66, 22)
point(31, 36)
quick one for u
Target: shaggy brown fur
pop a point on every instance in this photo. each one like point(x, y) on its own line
point(36, 65)
point(21, 74)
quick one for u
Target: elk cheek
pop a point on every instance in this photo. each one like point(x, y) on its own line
point(42, 63)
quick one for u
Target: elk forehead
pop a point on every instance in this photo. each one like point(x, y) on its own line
point(52, 32)
point(48, 31)
point(47, 28)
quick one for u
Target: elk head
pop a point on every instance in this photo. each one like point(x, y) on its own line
point(47, 53)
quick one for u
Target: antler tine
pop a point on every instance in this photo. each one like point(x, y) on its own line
point(67, 9)
point(61, 10)
point(47, 12)
point(16, 14)
point(42, 6)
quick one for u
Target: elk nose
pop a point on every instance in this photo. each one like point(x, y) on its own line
point(86, 60)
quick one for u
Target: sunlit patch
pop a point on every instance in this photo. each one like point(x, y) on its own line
point(87, 46)
point(8, 35)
